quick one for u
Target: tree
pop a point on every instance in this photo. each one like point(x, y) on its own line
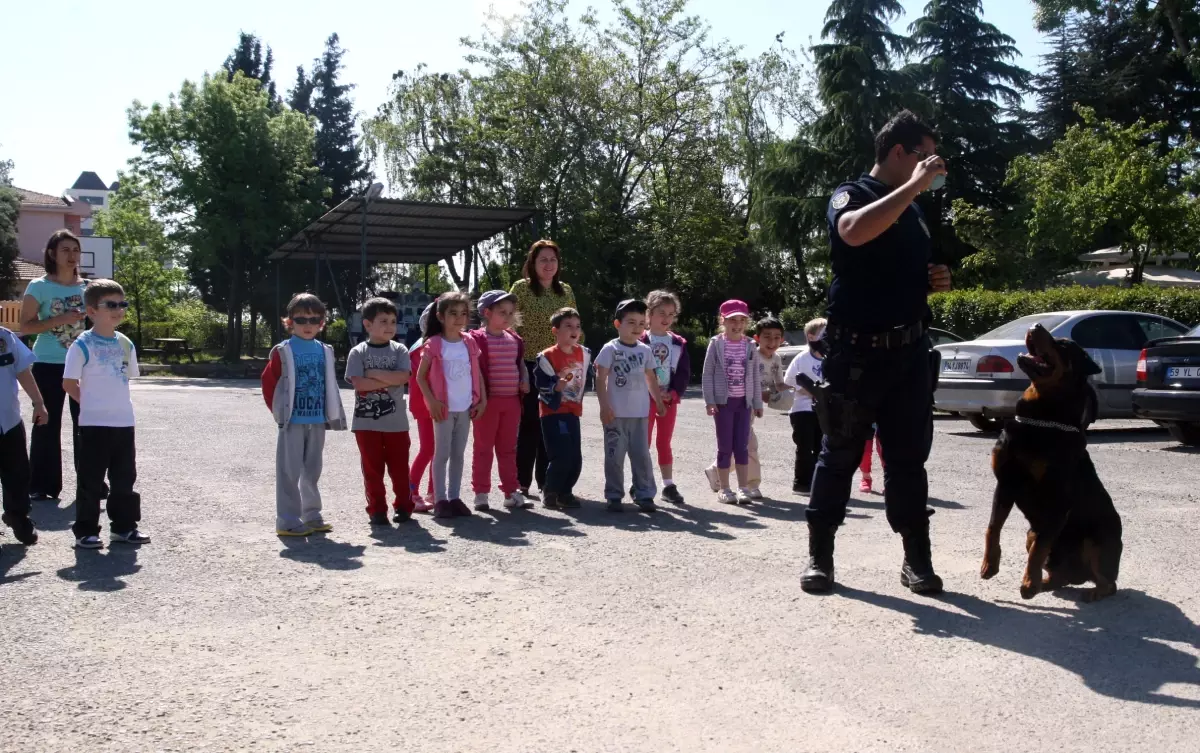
point(248, 58)
point(6, 167)
point(10, 209)
point(300, 97)
point(146, 260)
point(338, 154)
point(232, 176)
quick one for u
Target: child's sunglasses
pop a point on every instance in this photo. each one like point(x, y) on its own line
point(113, 305)
point(307, 319)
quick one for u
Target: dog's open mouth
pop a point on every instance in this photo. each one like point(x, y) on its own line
point(1033, 362)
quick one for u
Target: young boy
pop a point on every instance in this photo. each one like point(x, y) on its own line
point(769, 331)
point(506, 380)
point(301, 391)
point(806, 431)
point(673, 369)
point(379, 368)
point(561, 380)
point(625, 383)
point(96, 375)
point(15, 363)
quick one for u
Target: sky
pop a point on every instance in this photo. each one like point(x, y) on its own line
point(72, 69)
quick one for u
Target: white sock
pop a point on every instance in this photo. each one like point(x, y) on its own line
point(668, 482)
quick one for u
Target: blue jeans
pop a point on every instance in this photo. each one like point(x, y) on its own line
point(894, 391)
point(560, 433)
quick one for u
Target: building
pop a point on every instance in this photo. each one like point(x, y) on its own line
point(42, 214)
point(89, 189)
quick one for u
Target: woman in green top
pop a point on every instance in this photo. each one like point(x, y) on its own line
point(539, 294)
point(53, 310)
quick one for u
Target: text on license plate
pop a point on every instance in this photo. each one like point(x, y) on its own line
point(956, 365)
point(1183, 372)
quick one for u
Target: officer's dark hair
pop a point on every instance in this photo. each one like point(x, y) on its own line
point(768, 322)
point(904, 129)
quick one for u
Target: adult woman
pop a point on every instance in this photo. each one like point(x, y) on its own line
point(539, 294)
point(53, 310)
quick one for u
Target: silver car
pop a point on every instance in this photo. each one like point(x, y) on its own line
point(979, 379)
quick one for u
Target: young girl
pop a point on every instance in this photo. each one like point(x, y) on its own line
point(731, 394)
point(506, 381)
point(674, 370)
point(416, 403)
point(452, 385)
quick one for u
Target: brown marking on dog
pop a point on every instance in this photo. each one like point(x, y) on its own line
point(1104, 587)
point(991, 554)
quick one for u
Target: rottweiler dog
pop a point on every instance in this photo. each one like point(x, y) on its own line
point(1042, 466)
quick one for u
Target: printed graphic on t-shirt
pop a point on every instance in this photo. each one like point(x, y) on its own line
point(573, 392)
point(456, 369)
point(66, 333)
point(376, 405)
point(310, 385)
point(736, 372)
point(626, 362)
point(661, 347)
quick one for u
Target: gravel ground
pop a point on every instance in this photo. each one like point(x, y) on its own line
point(585, 631)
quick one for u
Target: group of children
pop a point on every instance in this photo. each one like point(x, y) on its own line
point(464, 382)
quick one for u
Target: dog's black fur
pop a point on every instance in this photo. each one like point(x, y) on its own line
point(1074, 529)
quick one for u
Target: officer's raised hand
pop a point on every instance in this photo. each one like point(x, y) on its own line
point(939, 278)
point(927, 171)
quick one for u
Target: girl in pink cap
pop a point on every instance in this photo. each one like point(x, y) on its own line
point(731, 395)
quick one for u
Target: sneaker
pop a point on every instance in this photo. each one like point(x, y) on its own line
point(727, 497)
point(527, 494)
point(460, 508)
point(743, 497)
point(132, 537)
point(481, 502)
point(865, 485)
point(550, 501)
point(301, 531)
point(516, 501)
point(567, 501)
point(39, 497)
point(401, 516)
point(645, 505)
point(22, 528)
point(802, 489)
point(380, 519)
point(443, 509)
point(614, 505)
point(89, 542)
point(754, 493)
point(321, 527)
point(671, 494)
point(714, 481)
point(420, 504)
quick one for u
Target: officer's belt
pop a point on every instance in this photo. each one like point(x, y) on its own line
point(897, 337)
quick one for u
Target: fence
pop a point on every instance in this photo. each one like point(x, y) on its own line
point(10, 315)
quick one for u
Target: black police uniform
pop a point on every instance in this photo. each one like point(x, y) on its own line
point(878, 363)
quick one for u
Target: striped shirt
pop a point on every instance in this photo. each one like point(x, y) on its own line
point(735, 367)
point(503, 377)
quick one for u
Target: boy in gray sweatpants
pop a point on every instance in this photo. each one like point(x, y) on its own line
point(301, 389)
point(625, 384)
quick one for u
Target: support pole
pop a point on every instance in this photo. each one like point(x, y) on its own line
point(362, 271)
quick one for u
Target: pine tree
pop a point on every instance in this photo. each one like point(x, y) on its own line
point(248, 58)
point(300, 97)
point(338, 156)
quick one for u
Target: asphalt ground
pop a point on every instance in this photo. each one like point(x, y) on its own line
point(538, 630)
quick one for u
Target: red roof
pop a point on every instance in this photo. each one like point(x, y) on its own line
point(41, 199)
point(27, 270)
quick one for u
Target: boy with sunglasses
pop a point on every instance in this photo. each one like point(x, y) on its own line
point(96, 375)
point(301, 390)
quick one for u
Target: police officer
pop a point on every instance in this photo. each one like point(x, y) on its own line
point(877, 365)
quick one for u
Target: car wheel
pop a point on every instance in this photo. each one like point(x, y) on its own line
point(985, 423)
point(1188, 434)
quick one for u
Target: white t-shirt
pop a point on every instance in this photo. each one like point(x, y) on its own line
point(808, 364)
point(771, 373)
point(103, 366)
point(456, 363)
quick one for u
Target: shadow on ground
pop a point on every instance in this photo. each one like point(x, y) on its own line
point(321, 550)
point(411, 536)
point(1118, 646)
point(507, 527)
point(102, 569)
point(697, 521)
point(11, 556)
point(50, 515)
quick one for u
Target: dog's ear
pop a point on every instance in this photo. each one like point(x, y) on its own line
point(1084, 362)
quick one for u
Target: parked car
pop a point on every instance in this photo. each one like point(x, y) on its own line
point(1168, 392)
point(979, 378)
point(936, 336)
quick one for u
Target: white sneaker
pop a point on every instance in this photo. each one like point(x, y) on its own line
point(89, 542)
point(714, 481)
point(133, 537)
point(743, 497)
point(754, 493)
point(517, 501)
point(726, 497)
point(481, 502)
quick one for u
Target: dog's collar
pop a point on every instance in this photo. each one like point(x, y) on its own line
point(1047, 424)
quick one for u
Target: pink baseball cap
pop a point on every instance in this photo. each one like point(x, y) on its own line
point(734, 307)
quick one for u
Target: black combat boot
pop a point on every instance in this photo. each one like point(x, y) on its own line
point(818, 578)
point(916, 574)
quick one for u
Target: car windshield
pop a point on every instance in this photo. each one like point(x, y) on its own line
point(1194, 333)
point(1016, 329)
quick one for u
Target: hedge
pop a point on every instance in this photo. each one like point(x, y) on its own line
point(970, 313)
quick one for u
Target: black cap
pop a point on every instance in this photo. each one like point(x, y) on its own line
point(630, 305)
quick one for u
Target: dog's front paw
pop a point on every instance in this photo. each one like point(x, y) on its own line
point(1029, 589)
point(991, 565)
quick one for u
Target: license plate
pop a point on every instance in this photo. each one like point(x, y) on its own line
point(1183, 372)
point(956, 366)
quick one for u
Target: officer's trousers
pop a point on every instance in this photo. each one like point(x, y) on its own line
point(894, 390)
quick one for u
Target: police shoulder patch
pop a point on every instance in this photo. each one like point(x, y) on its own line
point(840, 199)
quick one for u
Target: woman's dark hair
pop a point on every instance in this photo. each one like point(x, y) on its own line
point(433, 325)
point(529, 271)
point(57, 237)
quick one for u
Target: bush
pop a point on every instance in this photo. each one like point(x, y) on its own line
point(336, 336)
point(970, 313)
point(794, 317)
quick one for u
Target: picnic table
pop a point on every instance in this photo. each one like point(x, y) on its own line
point(172, 346)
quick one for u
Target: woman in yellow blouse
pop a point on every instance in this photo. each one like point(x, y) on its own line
point(539, 294)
